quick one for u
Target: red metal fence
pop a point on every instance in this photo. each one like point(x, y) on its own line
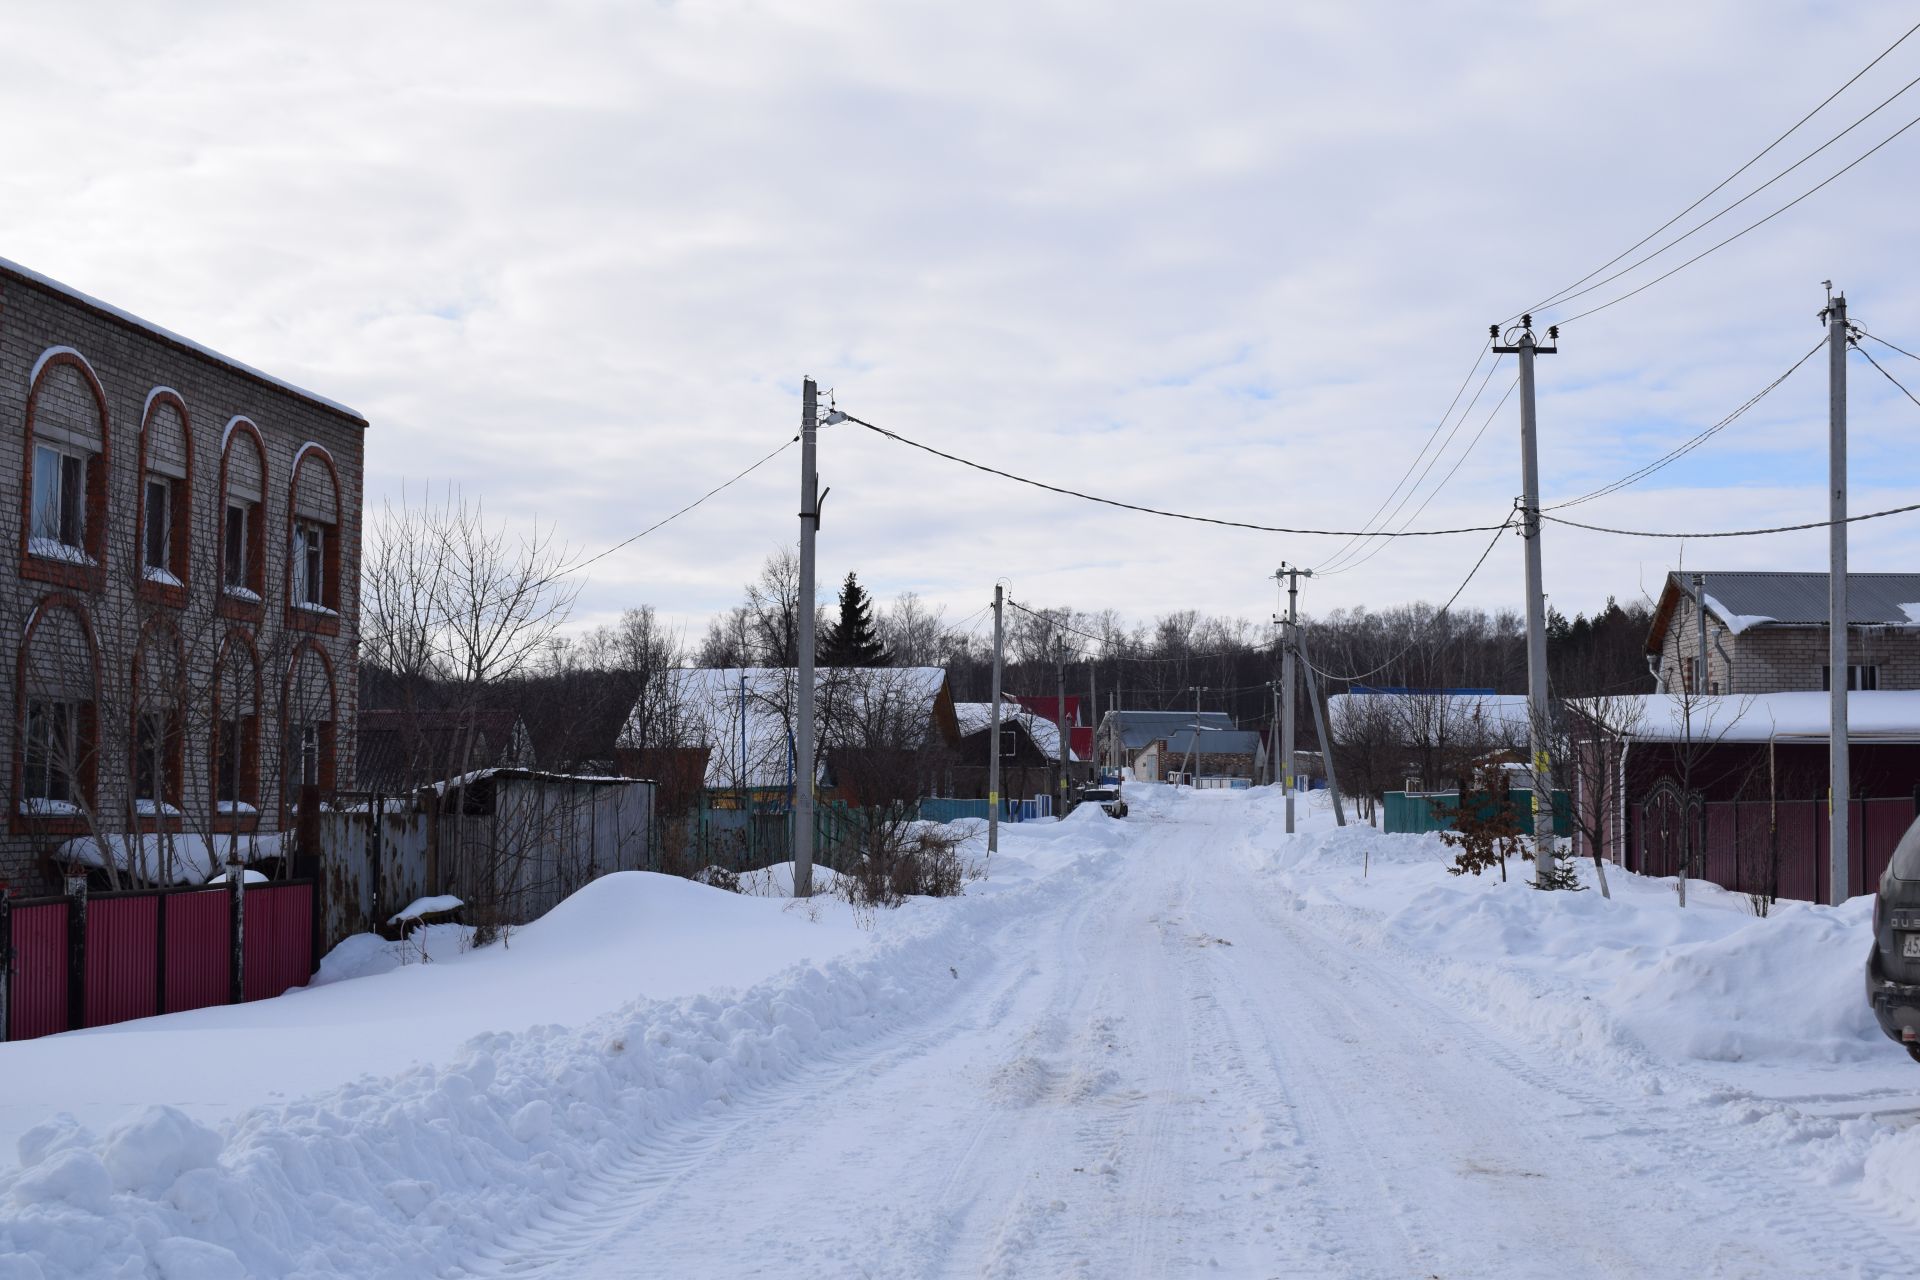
point(1748, 844)
point(90, 961)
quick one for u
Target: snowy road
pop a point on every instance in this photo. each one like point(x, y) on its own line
point(1182, 1072)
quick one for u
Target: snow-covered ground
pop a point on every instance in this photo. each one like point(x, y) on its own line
point(1183, 1043)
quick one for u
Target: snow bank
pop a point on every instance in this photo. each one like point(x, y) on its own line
point(414, 1173)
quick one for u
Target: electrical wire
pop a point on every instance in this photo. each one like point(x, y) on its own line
point(1735, 533)
point(1883, 342)
point(1151, 511)
point(1688, 446)
point(1332, 563)
point(1553, 298)
point(1444, 480)
point(1754, 226)
point(1405, 649)
point(1888, 376)
point(1702, 225)
point(1415, 460)
point(625, 542)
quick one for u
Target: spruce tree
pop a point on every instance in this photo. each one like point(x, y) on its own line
point(852, 641)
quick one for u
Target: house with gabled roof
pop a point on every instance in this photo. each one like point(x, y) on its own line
point(1767, 632)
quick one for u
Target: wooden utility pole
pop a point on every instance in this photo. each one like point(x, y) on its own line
point(1839, 765)
point(1289, 678)
point(1539, 711)
point(993, 737)
point(1060, 717)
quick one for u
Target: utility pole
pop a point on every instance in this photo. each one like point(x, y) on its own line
point(1316, 698)
point(1060, 717)
point(1840, 784)
point(1288, 679)
point(993, 747)
point(1093, 738)
point(809, 526)
point(1545, 845)
point(1700, 683)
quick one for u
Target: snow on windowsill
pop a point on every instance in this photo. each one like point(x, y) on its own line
point(231, 808)
point(154, 573)
point(308, 606)
point(249, 876)
point(155, 809)
point(243, 594)
point(40, 808)
point(54, 549)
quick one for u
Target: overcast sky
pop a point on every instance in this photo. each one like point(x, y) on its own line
point(1228, 258)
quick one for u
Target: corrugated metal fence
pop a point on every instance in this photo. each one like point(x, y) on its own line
point(1775, 848)
point(1413, 812)
point(92, 960)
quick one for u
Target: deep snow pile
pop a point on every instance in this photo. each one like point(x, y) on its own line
point(409, 1173)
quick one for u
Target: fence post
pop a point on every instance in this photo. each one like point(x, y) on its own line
point(237, 914)
point(76, 887)
point(160, 952)
point(6, 956)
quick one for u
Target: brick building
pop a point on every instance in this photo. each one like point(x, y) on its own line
point(182, 598)
point(1767, 632)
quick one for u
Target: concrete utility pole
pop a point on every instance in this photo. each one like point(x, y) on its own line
point(809, 526)
point(1840, 786)
point(993, 745)
point(1288, 679)
point(1092, 713)
point(1060, 718)
point(1545, 844)
point(1316, 699)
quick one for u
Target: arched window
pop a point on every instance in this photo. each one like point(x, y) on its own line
point(57, 684)
point(234, 750)
point(158, 731)
point(313, 542)
point(243, 509)
point(308, 719)
point(163, 508)
point(64, 500)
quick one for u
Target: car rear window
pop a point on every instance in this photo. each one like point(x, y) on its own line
point(1906, 854)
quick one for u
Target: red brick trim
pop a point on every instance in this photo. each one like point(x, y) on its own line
point(175, 729)
point(306, 619)
point(228, 607)
point(249, 781)
point(179, 552)
point(329, 742)
point(17, 822)
point(77, 577)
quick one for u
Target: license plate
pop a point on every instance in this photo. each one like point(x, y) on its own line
point(1910, 949)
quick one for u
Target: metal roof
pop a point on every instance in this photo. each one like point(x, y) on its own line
point(1138, 728)
point(1217, 742)
point(1743, 599)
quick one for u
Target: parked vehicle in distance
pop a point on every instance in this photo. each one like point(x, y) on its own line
point(1107, 797)
point(1893, 966)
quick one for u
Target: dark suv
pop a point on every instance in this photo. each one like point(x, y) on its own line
point(1893, 966)
point(1107, 797)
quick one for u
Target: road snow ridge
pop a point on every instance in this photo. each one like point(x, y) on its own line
point(428, 1170)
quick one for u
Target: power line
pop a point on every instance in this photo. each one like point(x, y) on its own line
point(1681, 450)
point(1734, 533)
point(725, 484)
point(1553, 298)
point(1883, 373)
point(1444, 480)
point(1431, 436)
point(1743, 231)
point(1883, 342)
point(1405, 649)
point(1152, 511)
point(1425, 472)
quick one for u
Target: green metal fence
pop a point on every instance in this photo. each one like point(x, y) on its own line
point(1415, 812)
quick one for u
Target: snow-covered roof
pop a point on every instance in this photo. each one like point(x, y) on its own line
point(1743, 599)
point(1138, 728)
point(975, 716)
point(743, 715)
point(1873, 716)
point(31, 276)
